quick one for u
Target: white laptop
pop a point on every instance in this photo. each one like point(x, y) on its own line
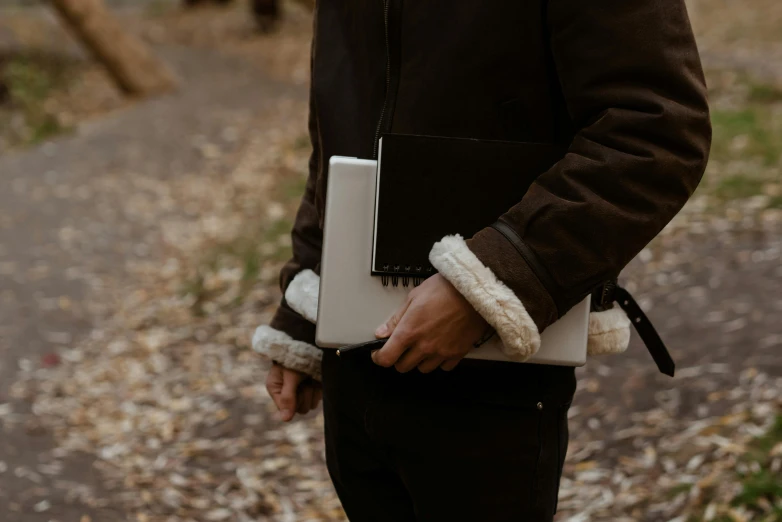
point(352, 303)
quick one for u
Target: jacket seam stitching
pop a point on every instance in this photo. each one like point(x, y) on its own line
point(504, 229)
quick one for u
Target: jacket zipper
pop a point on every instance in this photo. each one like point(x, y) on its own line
point(388, 81)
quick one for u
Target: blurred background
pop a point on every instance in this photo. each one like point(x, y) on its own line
point(145, 203)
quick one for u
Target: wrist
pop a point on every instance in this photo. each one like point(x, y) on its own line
point(488, 333)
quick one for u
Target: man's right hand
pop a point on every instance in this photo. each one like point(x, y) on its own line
point(293, 392)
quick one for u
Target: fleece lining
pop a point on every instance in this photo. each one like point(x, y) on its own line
point(490, 297)
point(285, 350)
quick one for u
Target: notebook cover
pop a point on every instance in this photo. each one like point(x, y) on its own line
point(429, 187)
point(352, 303)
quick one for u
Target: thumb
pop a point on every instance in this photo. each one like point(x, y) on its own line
point(286, 400)
point(387, 328)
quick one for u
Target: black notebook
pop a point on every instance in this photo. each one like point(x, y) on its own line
point(430, 187)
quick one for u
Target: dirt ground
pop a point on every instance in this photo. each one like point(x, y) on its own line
point(140, 244)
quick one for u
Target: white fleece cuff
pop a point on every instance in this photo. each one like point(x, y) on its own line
point(302, 294)
point(609, 332)
point(285, 350)
point(490, 297)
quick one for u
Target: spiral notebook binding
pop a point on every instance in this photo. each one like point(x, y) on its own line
point(417, 279)
point(392, 274)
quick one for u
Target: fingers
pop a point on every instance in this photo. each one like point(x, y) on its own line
point(399, 339)
point(304, 399)
point(274, 381)
point(430, 364)
point(286, 400)
point(317, 395)
point(293, 392)
point(310, 395)
point(386, 329)
point(450, 364)
point(389, 354)
point(410, 359)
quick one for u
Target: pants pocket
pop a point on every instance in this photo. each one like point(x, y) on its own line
point(537, 470)
point(562, 444)
point(552, 439)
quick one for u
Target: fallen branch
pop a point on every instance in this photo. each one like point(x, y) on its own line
point(129, 62)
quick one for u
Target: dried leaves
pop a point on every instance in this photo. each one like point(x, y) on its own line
point(169, 401)
point(166, 396)
point(669, 466)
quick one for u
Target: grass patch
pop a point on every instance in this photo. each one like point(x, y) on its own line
point(731, 123)
point(746, 133)
point(291, 188)
point(760, 480)
point(764, 93)
point(762, 487)
point(775, 202)
point(738, 187)
point(30, 81)
point(747, 126)
point(292, 185)
point(273, 235)
point(157, 8)
point(247, 254)
point(763, 445)
point(196, 287)
point(759, 487)
point(267, 245)
point(746, 152)
point(302, 143)
point(678, 489)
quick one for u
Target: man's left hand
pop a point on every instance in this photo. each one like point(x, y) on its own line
point(435, 327)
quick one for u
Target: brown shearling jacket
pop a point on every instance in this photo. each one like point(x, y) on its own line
point(618, 82)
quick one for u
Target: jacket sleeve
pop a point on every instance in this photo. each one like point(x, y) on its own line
point(634, 89)
point(289, 339)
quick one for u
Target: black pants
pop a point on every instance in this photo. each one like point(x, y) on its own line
point(484, 442)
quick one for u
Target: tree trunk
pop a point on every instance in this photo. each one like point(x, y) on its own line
point(129, 62)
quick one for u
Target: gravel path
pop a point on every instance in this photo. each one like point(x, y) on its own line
point(64, 235)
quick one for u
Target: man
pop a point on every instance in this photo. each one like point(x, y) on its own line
point(620, 84)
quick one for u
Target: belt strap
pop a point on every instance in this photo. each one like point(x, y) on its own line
point(646, 331)
point(608, 293)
